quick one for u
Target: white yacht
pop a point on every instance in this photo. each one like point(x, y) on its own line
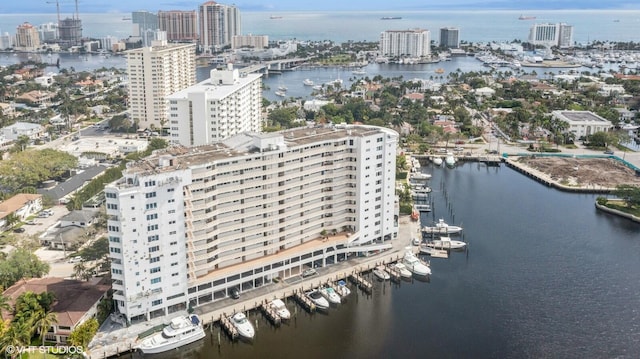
point(307, 82)
point(329, 294)
point(404, 272)
point(243, 325)
point(381, 273)
point(342, 288)
point(450, 160)
point(441, 227)
point(420, 176)
point(280, 309)
point(181, 331)
point(317, 299)
point(437, 161)
point(280, 93)
point(423, 207)
point(415, 265)
point(446, 243)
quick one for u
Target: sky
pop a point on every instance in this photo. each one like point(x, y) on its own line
point(101, 6)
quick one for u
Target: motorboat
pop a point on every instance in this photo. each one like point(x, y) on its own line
point(243, 325)
point(280, 308)
point(381, 273)
point(419, 195)
point(402, 269)
point(317, 299)
point(426, 250)
point(414, 264)
point(420, 176)
point(342, 288)
point(437, 161)
point(450, 160)
point(359, 72)
point(330, 295)
point(423, 207)
point(281, 94)
point(307, 82)
point(422, 189)
point(282, 88)
point(441, 227)
point(180, 331)
point(446, 243)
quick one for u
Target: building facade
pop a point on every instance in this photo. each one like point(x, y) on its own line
point(560, 35)
point(188, 225)
point(583, 123)
point(154, 73)
point(218, 25)
point(70, 32)
point(450, 37)
point(48, 32)
point(250, 41)
point(180, 26)
point(27, 37)
point(405, 43)
point(224, 105)
point(145, 25)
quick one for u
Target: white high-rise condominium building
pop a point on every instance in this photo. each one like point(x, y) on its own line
point(189, 225)
point(405, 43)
point(218, 25)
point(560, 35)
point(224, 105)
point(154, 73)
point(450, 37)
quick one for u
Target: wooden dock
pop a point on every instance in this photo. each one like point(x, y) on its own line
point(270, 314)
point(228, 327)
point(394, 273)
point(439, 253)
point(362, 283)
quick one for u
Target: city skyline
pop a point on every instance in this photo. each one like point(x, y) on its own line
point(41, 6)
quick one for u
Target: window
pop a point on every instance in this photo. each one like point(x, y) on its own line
point(110, 195)
point(116, 271)
point(114, 250)
point(152, 227)
point(156, 280)
point(152, 205)
point(150, 184)
point(153, 238)
point(155, 270)
point(112, 206)
point(154, 259)
point(149, 195)
point(154, 249)
point(156, 302)
point(152, 216)
point(114, 239)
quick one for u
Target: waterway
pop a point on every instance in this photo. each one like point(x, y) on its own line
point(546, 275)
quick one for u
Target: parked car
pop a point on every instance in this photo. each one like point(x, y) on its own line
point(19, 230)
point(30, 222)
point(235, 293)
point(75, 259)
point(608, 152)
point(309, 272)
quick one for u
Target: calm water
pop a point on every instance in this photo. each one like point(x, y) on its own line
point(341, 26)
point(545, 276)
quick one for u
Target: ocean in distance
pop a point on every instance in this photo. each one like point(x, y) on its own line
point(342, 26)
point(546, 275)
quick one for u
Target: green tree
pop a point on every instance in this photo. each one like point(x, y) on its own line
point(43, 321)
point(83, 333)
point(5, 305)
point(629, 194)
point(21, 263)
point(17, 336)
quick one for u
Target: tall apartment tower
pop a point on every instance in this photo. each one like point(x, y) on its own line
point(450, 37)
point(27, 37)
point(565, 36)
point(226, 104)
point(154, 73)
point(70, 32)
point(188, 225)
point(145, 25)
point(180, 26)
point(218, 25)
point(560, 35)
point(405, 43)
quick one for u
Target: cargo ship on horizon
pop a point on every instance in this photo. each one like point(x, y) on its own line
point(390, 18)
point(523, 17)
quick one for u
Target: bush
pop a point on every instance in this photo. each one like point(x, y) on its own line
point(601, 200)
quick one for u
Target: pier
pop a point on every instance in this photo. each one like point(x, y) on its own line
point(304, 302)
point(362, 283)
point(228, 327)
point(394, 273)
point(270, 314)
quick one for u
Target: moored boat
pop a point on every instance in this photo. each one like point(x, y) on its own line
point(330, 295)
point(317, 299)
point(420, 176)
point(423, 207)
point(404, 272)
point(280, 93)
point(437, 161)
point(342, 288)
point(446, 243)
point(441, 227)
point(280, 309)
point(180, 331)
point(450, 160)
point(381, 273)
point(415, 265)
point(307, 82)
point(243, 325)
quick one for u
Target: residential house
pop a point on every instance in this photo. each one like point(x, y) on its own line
point(75, 301)
point(36, 97)
point(79, 218)
point(31, 130)
point(22, 205)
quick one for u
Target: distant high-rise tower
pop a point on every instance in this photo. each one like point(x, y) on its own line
point(27, 37)
point(560, 35)
point(154, 73)
point(565, 37)
point(145, 25)
point(450, 37)
point(180, 26)
point(218, 25)
point(70, 32)
point(405, 43)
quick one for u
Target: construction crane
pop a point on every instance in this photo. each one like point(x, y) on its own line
point(57, 8)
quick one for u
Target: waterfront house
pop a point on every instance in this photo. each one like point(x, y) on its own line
point(31, 130)
point(22, 205)
point(583, 123)
point(75, 301)
point(79, 218)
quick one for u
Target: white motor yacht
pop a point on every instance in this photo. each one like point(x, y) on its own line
point(415, 265)
point(441, 227)
point(450, 160)
point(437, 161)
point(446, 243)
point(280, 309)
point(329, 294)
point(404, 272)
point(181, 331)
point(342, 288)
point(243, 325)
point(307, 82)
point(317, 299)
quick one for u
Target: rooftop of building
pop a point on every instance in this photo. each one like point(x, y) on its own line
point(216, 90)
point(582, 116)
point(243, 144)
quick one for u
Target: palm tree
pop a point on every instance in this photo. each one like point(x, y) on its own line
point(4, 305)
point(43, 321)
point(81, 271)
point(17, 336)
